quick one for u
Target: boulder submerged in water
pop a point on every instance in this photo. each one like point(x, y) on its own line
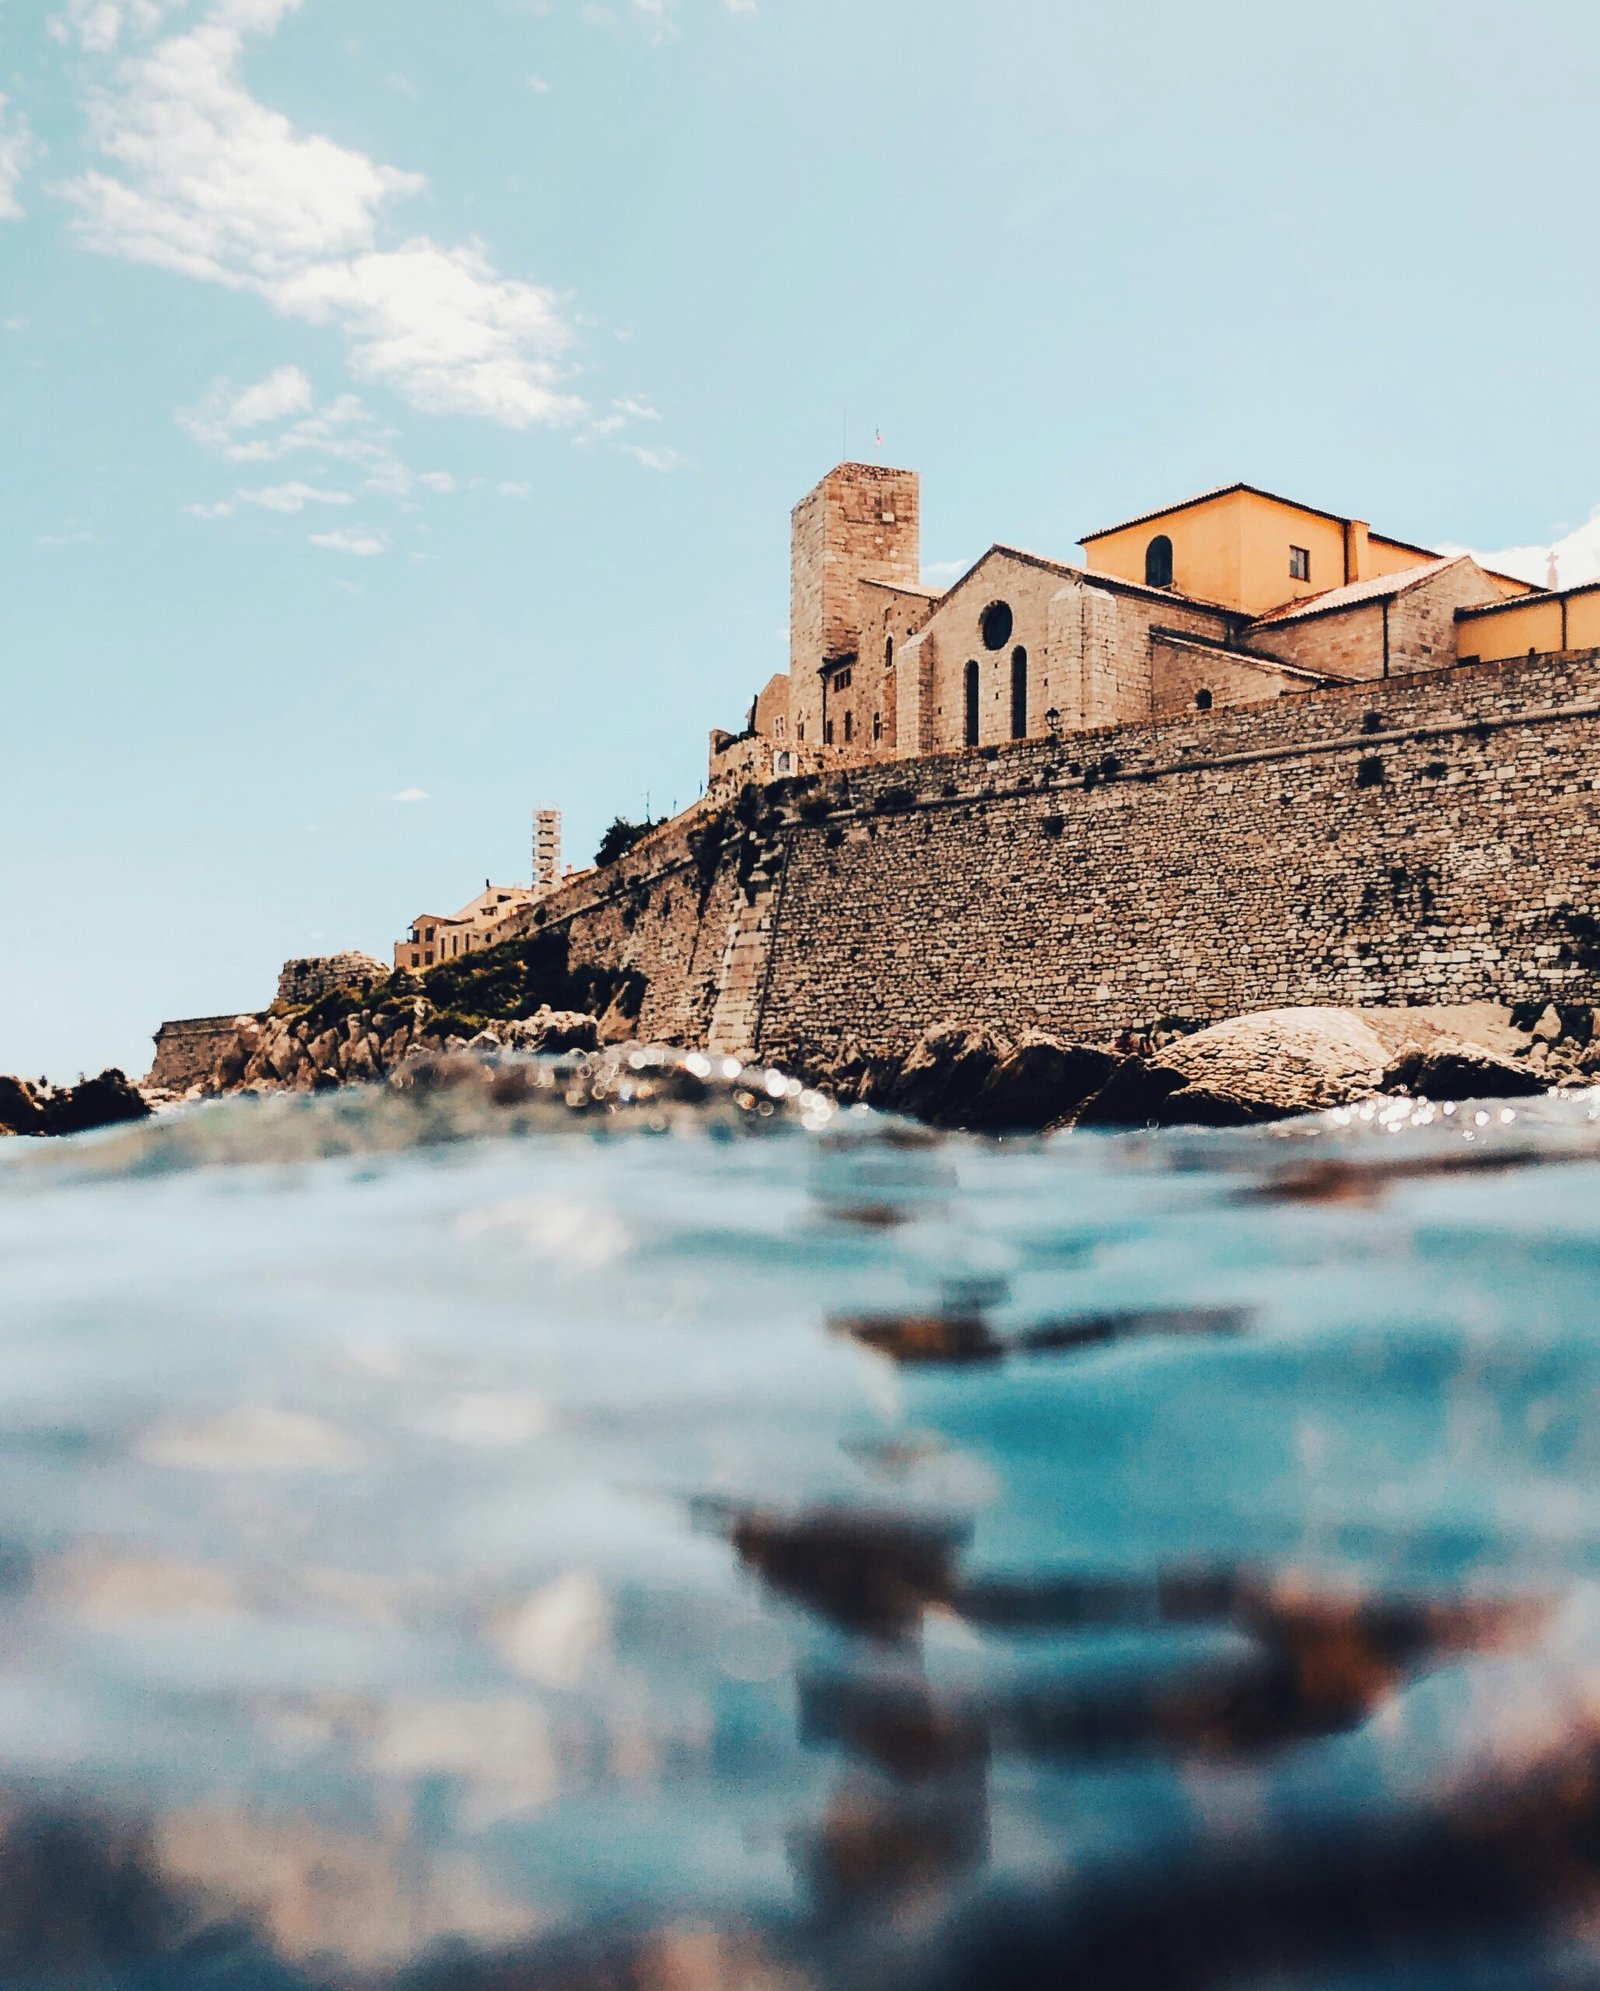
point(105, 1101)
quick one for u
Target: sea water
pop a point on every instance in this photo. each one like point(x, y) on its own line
point(669, 1533)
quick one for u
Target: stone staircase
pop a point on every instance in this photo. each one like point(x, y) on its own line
point(747, 948)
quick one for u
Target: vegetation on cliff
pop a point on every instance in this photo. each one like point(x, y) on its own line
point(497, 985)
point(620, 838)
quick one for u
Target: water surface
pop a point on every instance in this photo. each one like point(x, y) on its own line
point(490, 1536)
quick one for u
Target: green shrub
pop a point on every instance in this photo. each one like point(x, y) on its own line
point(620, 838)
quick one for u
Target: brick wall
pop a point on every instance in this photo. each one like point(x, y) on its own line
point(1434, 838)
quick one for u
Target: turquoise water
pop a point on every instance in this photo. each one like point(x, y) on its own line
point(490, 1536)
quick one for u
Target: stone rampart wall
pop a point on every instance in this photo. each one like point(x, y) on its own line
point(187, 1048)
point(1428, 839)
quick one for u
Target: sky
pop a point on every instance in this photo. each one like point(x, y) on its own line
point(401, 407)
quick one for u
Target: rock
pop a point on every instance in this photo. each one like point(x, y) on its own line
point(550, 1030)
point(942, 1078)
point(1548, 1028)
point(1039, 1084)
point(1275, 1062)
point(20, 1111)
point(1452, 1069)
point(484, 1045)
point(1135, 1094)
point(105, 1101)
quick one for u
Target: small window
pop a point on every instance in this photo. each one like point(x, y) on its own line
point(1019, 694)
point(877, 727)
point(1299, 563)
point(972, 703)
point(849, 727)
point(1158, 562)
point(780, 726)
point(888, 653)
point(1202, 700)
point(827, 732)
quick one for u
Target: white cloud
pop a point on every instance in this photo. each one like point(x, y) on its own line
point(17, 151)
point(515, 490)
point(294, 497)
point(940, 573)
point(1567, 562)
point(352, 539)
point(98, 24)
point(633, 408)
point(538, 86)
point(223, 408)
point(410, 795)
point(285, 391)
point(654, 459)
point(202, 178)
point(342, 430)
point(393, 479)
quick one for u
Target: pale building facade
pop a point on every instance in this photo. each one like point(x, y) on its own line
point(1232, 598)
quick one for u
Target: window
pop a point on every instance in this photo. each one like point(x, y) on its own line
point(996, 624)
point(972, 704)
point(1158, 562)
point(877, 727)
point(827, 732)
point(1202, 700)
point(780, 726)
point(842, 681)
point(888, 653)
point(849, 727)
point(1019, 694)
point(1299, 563)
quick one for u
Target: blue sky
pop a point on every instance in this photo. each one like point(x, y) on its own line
point(408, 402)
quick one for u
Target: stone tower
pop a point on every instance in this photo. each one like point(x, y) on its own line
point(861, 523)
point(546, 849)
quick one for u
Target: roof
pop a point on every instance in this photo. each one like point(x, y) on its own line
point(1382, 587)
point(1260, 660)
point(1113, 582)
point(1257, 491)
point(901, 587)
point(1539, 598)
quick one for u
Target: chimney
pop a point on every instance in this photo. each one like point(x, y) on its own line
point(1357, 564)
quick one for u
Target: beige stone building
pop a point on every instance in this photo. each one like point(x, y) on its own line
point(485, 921)
point(1232, 598)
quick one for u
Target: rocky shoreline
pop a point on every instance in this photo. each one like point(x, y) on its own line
point(1249, 1069)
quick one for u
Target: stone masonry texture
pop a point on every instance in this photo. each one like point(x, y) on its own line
point(1433, 838)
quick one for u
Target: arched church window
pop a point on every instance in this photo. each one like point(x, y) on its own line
point(972, 704)
point(1202, 700)
point(996, 623)
point(1158, 562)
point(1019, 694)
